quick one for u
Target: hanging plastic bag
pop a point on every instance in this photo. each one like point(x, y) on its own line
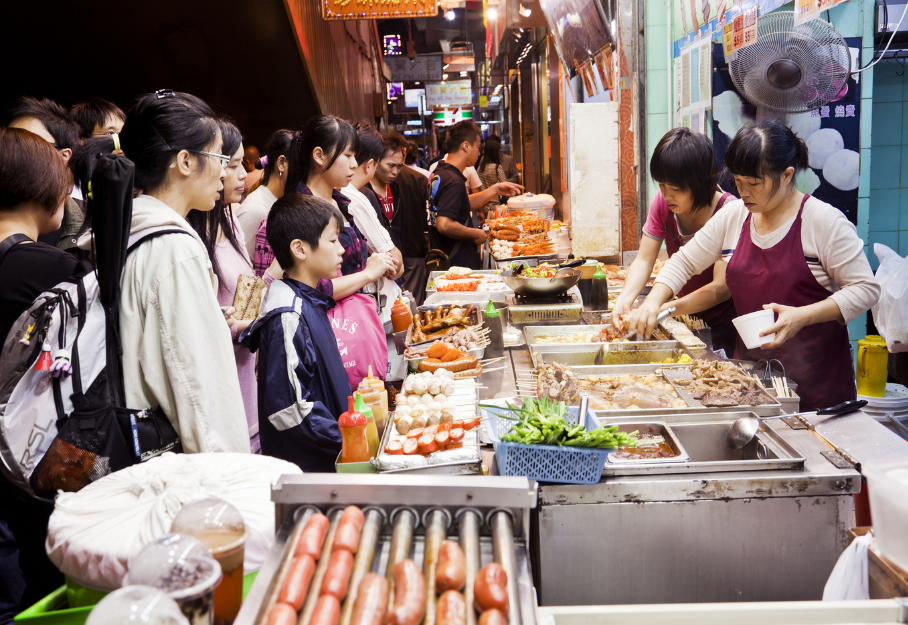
point(848, 581)
point(890, 313)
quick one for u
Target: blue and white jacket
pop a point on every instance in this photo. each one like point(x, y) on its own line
point(303, 387)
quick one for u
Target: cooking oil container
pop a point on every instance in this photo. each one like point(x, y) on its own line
point(873, 357)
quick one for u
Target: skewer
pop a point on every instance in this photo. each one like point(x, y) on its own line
point(494, 369)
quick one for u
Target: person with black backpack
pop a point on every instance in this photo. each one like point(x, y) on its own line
point(177, 350)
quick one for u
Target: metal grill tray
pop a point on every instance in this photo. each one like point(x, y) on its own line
point(673, 375)
point(609, 354)
point(532, 332)
point(658, 428)
point(763, 411)
point(430, 290)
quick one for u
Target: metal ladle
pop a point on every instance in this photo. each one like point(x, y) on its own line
point(742, 431)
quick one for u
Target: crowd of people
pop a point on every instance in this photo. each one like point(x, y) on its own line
point(337, 220)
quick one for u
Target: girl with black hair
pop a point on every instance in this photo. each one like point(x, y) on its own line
point(223, 238)
point(323, 160)
point(786, 252)
point(685, 167)
point(254, 209)
point(176, 345)
point(491, 172)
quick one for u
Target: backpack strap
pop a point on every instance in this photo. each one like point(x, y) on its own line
point(7, 243)
point(135, 240)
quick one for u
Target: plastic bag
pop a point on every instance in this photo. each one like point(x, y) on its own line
point(848, 580)
point(890, 313)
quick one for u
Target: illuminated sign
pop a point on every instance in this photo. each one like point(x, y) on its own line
point(391, 45)
point(449, 93)
point(395, 90)
point(377, 9)
point(411, 97)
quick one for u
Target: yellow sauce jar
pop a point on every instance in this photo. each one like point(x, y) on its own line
point(872, 361)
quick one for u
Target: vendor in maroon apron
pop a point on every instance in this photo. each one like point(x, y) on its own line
point(685, 167)
point(818, 357)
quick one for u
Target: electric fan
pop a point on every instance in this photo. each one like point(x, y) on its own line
point(792, 69)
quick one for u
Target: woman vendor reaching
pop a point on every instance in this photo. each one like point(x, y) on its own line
point(788, 252)
point(685, 167)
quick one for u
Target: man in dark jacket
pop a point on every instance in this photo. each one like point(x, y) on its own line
point(408, 192)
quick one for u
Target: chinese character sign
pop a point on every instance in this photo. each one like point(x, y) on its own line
point(377, 9)
point(428, 67)
point(449, 93)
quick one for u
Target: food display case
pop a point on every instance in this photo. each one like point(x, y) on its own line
point(406, 517)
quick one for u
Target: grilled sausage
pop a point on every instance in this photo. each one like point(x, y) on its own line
point(348, 529)
point(296, 584)
point(409, 595)
point(327, 611)
point(337, 577)
point(313, 536)
point(282, 614)
point(451, 569)
point(461, 364)
point(371, 601)
point(451, 609)
point(493, 617)
point(491, 588)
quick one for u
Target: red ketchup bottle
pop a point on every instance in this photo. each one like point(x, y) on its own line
point(354, 443)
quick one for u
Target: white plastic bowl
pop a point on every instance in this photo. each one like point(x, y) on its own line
point(750, 326)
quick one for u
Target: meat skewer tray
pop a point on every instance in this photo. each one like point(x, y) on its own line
point(406, 516)
point(694, 407)
point(675, 374)
point(476, 318)
point(479, 295)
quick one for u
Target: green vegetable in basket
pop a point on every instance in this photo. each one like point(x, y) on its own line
point(542, 422)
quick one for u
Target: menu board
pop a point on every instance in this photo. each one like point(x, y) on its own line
point(693, 85)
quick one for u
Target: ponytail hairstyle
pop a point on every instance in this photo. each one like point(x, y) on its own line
point(159, 126)
point(332, 134)
point(209, 224)
point(766, 148)
point(686, 160)
point(278, 146)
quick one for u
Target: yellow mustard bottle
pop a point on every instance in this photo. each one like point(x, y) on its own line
point(872, 361)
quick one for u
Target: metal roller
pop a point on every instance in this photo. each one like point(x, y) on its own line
point(315, 587)
point(365, 554)
point(470, 521)
point(404, 521)
point(302, 516)
point(503, 545)
point(436, 522)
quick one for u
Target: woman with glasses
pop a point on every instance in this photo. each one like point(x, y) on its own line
point(786, 252)
point(223, 238)
point(177, 350)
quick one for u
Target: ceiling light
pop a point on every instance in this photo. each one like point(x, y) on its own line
point(417, 82)
point(450, 15)
point(444, 76)
point(525, 11)
point(492, 13)
point(446, 66)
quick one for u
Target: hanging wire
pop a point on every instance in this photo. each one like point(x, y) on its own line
point(888, 43)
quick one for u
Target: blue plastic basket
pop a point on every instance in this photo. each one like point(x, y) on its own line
point(545, 463)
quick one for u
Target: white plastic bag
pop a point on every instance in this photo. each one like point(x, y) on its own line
point(848, 581)
point(890, 313)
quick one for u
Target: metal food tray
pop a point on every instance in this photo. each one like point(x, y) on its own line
point(537, 258)
point(658, 428)
point(768, 442)
point(477, 315)
point(580, 355)
point(480, 272)
point(531, 332)
point(673, 375)
point(613, 370)
point(473, 466)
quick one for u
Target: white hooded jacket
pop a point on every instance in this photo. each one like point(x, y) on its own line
point(170, 319)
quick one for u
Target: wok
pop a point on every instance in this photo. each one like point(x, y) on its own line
point(563, 280)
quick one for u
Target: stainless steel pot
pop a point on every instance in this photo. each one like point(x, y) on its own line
point(563, 280)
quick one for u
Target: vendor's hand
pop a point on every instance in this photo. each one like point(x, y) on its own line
point(378, 265)
point(480, 236)
point(789, 321)
point(619, 313)
point(643, 319)
point(508, 189)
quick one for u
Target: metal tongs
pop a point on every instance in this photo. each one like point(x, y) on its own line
point(665, 314)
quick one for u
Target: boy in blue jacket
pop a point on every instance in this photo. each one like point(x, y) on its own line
point(303, 387)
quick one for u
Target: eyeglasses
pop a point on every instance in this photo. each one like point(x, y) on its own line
point(223, 158)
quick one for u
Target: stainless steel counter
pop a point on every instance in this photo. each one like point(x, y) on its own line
point(769, 535)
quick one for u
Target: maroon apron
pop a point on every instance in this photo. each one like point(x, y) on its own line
point(719, 316)
point(818, 357)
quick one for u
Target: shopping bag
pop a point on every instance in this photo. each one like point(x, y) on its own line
point(890, 313)
point(848, 581)
point(360, 337)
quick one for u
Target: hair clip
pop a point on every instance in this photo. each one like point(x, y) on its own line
point(264, 161)
point(89, 191)
point(116, 140)
point(164, 93)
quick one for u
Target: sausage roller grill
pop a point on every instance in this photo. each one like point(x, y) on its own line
point(406, 516)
